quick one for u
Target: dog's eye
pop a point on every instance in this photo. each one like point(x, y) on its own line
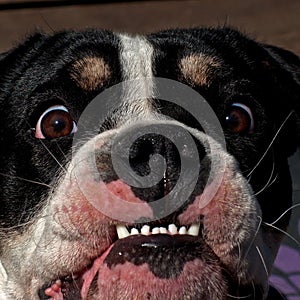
point(239, 119)
point(55, 122)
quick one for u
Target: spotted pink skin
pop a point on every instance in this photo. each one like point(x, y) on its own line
point(128, 281)
point(77, 214)
point(116, 198)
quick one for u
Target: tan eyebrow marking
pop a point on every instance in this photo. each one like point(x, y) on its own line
point(90, 73)
point(199, 69)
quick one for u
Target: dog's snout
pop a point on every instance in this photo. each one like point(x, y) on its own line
point(152, 158)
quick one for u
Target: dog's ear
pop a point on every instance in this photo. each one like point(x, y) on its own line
point(288, 64)
point(3, 55)
point(288, 61)
point(284, 67)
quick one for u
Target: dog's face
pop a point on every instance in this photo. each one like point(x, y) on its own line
point(66, 212)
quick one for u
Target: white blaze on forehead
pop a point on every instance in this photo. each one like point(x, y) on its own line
point(136, 63)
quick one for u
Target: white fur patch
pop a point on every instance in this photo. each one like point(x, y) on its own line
point(136, 62)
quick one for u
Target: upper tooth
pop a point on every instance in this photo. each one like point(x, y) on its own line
point(155, 230)
point(194, 229)
point(163, 230)
point(172, 229)
point(134, 231)
point(122, 231)
point(145, 230)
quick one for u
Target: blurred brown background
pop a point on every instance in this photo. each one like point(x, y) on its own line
point(272, 21)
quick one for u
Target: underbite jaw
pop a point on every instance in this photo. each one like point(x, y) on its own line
point(171, 229)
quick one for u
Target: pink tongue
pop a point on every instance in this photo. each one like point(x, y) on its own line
point(89, 275)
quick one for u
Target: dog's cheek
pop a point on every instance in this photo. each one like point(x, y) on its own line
point(232, 220)
point(223, 216)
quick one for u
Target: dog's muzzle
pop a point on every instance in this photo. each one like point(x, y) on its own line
point(140, 214)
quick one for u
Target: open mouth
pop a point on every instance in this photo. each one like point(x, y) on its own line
point(141, 245)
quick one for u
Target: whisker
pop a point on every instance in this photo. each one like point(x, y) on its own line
point(262, 260)
point(239, 252)
point(253, 286)
point(12, 228)
point(27, 180)
point(282, 215)
point(75, 282)
point(56, 160)
point(72, 170)
point(61, 151)
point(275, 178)
point(243, 297)
point(271, 143)
point(267, 185)
point(239, 297)
point(255, 234)
point(47, 23)
point(284, 232)
point(269, 182)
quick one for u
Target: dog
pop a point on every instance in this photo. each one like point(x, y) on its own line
point(73, 228)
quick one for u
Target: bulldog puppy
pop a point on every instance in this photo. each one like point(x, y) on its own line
point(136, 196)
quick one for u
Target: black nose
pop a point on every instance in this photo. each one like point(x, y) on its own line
point(163, 154)
point(154, 153)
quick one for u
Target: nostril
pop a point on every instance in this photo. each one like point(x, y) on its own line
point(141, 153)
point(153, 150)
point(155, 153)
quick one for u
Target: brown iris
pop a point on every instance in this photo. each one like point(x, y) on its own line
point(56, 123)
point(239, 119)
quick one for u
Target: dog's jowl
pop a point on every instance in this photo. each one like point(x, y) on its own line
point(111, 191)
